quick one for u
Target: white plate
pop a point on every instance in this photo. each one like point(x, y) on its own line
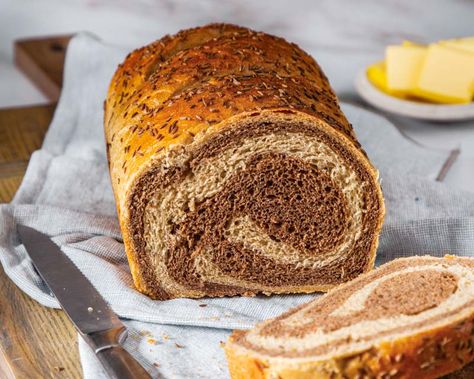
point(424, 111)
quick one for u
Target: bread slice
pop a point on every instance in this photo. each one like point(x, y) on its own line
point(410, 318)
point(234, 169)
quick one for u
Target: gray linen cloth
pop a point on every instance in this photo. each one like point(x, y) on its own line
point(66, 193)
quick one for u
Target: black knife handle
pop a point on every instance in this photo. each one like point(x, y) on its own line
point(119, 364)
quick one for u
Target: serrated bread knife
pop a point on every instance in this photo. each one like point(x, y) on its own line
point(91, 315)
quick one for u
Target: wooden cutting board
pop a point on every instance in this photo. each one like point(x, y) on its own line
point(35, 342)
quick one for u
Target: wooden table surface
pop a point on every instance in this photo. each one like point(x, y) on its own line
point(35, 342)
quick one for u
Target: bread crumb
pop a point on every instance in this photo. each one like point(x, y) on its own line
point(179, 346)
point(155, 364)
point(203, 305)
point(59, 368)
point(165, 337)
point(152, 341)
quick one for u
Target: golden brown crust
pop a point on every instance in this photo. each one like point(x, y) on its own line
point(194, 83)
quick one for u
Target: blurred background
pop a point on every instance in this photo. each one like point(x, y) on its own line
point(343, 36)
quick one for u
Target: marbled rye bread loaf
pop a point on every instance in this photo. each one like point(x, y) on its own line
point(234, 169)
point(412, 318)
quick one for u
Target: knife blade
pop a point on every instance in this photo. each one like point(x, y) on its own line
point(86, 308)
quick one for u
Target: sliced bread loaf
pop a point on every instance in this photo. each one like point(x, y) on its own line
point(235, 171)
point(410, 318)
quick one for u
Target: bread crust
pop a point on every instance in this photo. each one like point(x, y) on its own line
point(152, 111)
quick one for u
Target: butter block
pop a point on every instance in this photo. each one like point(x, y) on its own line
point(447, 75)
point(403, 66)
point(377, 75)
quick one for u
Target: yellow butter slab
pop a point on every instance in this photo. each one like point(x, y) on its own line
point(403, 65)
point(447, 75)
point(377, 75)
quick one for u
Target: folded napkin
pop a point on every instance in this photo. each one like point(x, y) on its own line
point(66, 193)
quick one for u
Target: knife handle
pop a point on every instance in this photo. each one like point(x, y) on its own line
point(119, 364)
